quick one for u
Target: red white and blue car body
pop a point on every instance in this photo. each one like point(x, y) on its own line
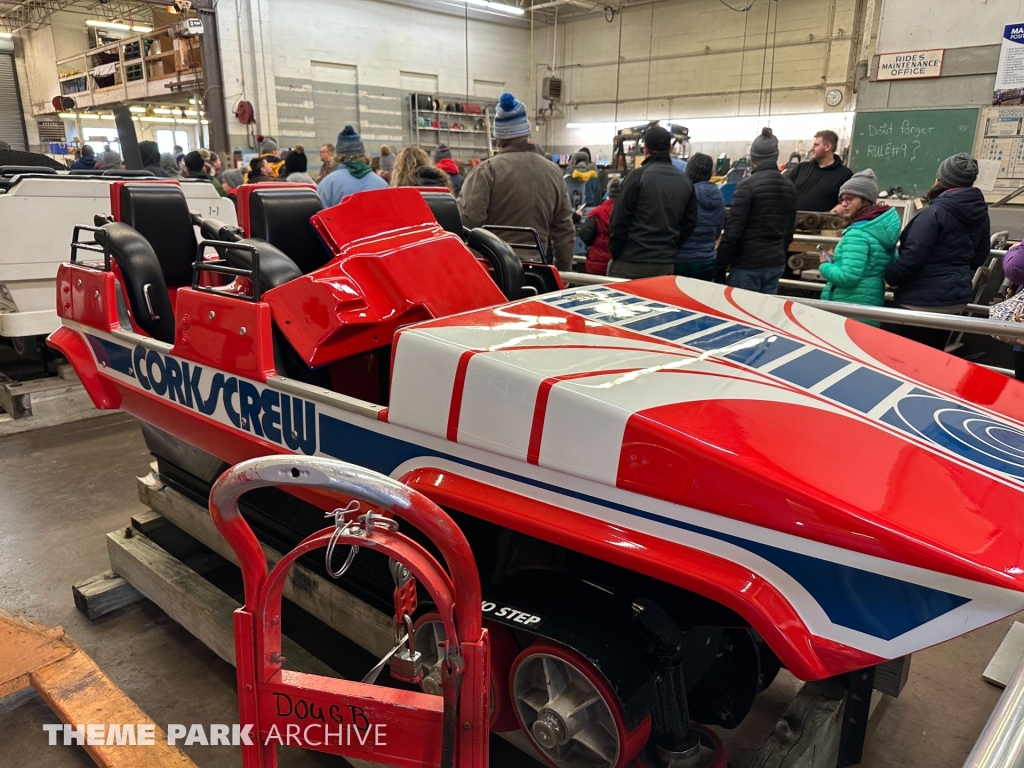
point(853, 496)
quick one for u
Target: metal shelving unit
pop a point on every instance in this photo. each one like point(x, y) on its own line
point(465, 143)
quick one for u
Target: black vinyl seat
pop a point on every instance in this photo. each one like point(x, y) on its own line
point(144, 280)
point(281, 218)
point(159, 212)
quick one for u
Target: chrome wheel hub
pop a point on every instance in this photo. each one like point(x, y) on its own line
point(564, 714)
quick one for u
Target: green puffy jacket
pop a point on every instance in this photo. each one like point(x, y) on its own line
point(856, 274)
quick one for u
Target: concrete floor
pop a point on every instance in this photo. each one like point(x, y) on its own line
point(62, 489)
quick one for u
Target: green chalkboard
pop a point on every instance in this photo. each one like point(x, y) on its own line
point(904, 149)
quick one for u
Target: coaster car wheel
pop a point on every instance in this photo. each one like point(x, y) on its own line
point(569, 712)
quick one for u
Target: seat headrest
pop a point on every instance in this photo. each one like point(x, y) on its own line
point(446, 210)
point(506, 266)
point(281, 218)
point(144, 280)
point(275, 267)
point(159, 212)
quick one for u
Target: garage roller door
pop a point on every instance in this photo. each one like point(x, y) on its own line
point(12, 126)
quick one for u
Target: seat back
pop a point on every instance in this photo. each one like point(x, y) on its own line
point(446, 210)
point(506, 266)
point(275, 267)
point(281, 217)
point(143, 280)
point(159, 212)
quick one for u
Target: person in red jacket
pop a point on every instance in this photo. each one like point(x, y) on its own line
point(594, 232)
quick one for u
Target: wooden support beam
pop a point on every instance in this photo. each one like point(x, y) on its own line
point(189, 599)
point(362, 624)
point(103, 593)
point(807, 734)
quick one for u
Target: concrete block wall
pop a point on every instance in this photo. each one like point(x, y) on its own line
point(685, 59)
point(970, 32)
point(272, 54)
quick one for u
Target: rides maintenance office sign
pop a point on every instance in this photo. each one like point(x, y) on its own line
point(910, 65)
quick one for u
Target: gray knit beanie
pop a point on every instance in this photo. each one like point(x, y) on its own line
point(764, 150)
point(442, 152)
point(267, 146)
point(960, 170)
point(349, 144)
point(862, 184)
point(111, 159)
point(233, 177)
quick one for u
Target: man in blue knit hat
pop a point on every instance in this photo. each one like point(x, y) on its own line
point(353, 173)
point(518, 187)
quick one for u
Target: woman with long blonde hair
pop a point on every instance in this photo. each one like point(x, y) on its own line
point(414, 169)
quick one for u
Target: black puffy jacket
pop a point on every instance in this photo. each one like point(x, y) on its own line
point(940, 249)
point(760, 222)
point(654, 213)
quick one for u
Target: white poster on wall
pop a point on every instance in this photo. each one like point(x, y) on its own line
point(1009, 88)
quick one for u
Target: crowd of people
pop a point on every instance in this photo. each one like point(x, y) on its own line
point(666, 216)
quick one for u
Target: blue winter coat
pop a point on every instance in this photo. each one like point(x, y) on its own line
point(940, 249)
point(700, 246)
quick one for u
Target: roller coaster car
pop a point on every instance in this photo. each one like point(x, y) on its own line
point(38, 210)
point(671, 487)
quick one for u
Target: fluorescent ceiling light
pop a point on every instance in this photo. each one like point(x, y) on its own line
point(163, 111)
point(509, 9)
point(66, 115)
point(6, 35)
point(117, 25)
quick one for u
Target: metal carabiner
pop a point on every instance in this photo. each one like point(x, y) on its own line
point(342, 526)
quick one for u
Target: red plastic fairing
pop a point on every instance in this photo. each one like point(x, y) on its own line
point(103, 394)
point(115, 192)
point(807, 656)
point(247, 189)
point(224, 332)
point(378, 282)
point(88, 296)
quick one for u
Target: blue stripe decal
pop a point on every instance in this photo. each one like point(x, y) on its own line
point(867, 602)
point(863, 389)
point(966, 433)
point(767, 351)
point(655, 319)
point(114, 355)
point(585, 298)
point(807, 370)
point(725, 337)
point(975, 436)
point(690, 327)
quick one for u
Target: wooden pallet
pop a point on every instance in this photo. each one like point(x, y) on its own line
point(77, 691)
point(27, 405)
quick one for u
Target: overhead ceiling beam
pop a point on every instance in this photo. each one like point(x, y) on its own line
point(33, 12)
